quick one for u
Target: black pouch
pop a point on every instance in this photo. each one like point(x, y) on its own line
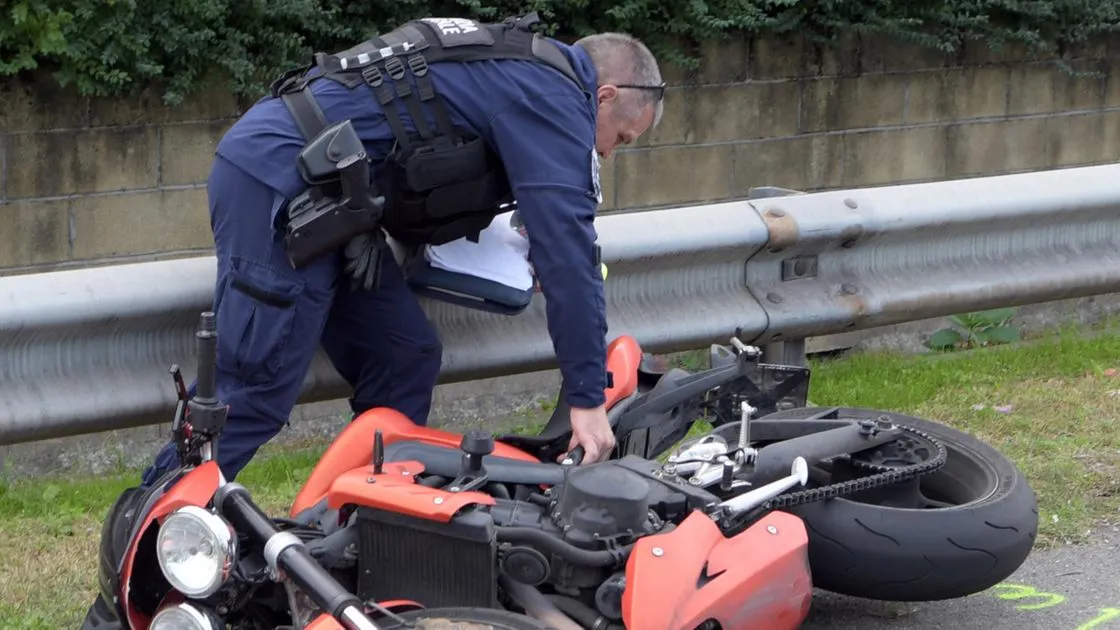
point(321, 160)
point(342, 201)
point(442, 193)
point(439, 166)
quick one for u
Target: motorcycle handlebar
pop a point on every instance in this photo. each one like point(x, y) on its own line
point(575, 457)
point(285, 553)
point(206, 336)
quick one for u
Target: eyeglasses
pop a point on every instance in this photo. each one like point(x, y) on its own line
point(660, 89)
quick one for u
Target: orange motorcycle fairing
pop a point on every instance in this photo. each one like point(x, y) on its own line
point(624, 355)
point(353, 449)
point(324, 622)
point(400, 605)
point(759, 578)
point(196, 488)
point(395, 490)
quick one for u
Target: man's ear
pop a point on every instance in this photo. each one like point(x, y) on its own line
point(607, 93)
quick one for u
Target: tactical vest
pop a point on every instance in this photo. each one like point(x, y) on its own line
point(440, 183)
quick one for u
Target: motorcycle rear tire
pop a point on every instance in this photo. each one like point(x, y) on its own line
point(485, 618)
point(896, 554)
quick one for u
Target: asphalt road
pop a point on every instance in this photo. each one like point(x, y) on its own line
point(1071, 588)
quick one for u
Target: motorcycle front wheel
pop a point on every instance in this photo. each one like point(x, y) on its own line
point(956, 531)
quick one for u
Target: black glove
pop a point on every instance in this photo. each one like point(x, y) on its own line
point(363, 260)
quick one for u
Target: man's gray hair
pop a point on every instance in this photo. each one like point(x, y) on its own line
point(621, 59)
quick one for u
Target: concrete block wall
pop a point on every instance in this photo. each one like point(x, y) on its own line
point(92, 181)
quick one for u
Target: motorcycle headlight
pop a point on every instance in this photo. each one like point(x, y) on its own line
point(183, 617)
point(195, 548)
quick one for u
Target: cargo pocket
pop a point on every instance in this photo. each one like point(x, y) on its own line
point(255, 320)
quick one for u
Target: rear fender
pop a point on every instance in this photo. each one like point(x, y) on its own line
point(196, 487)
point(757, 579)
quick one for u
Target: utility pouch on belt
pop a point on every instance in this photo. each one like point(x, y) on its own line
point(340, 203)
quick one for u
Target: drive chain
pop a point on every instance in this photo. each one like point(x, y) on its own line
point(885, 476)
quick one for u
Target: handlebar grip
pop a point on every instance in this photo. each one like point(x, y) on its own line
point(207, 339)
point(575, 457)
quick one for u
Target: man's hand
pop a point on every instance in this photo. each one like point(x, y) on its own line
point(592, 431)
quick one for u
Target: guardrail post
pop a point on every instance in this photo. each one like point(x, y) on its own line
point(788, 352)
point(791, 351)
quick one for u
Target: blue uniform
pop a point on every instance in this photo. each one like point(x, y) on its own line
point(271, 318)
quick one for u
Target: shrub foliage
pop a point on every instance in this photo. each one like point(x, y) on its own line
point(111, 47)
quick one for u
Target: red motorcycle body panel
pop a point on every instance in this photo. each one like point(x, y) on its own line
point(352, 451)
point(394, 490)
point(348, 458)
point(324, 622)
point(759, 578)
point(624, 355)
point(196, 487)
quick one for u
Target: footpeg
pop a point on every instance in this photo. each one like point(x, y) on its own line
point(799, 475)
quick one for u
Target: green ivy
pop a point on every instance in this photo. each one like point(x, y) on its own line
point(113, 47)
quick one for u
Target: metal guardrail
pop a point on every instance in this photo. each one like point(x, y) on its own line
point(88, 350)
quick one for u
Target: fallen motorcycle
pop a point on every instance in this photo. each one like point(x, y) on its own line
point(401, 526)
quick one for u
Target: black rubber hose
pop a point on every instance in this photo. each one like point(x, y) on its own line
point(497, 489)
point(567, 551)
point(537, 498)
point(583, 614)
point(434, 481)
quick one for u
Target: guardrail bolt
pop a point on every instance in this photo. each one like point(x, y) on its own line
point(849, 289)
point(774, 297)
point(775, 212)
point(851, 203)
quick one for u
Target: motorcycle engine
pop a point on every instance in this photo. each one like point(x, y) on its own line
point(575, 538)
point(599, 503)
point(570, 540)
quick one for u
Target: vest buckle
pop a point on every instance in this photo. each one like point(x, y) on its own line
point(372, 76)
point(395, 68)
point(418, 64)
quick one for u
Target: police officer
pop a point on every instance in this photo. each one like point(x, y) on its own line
point(508, 114)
